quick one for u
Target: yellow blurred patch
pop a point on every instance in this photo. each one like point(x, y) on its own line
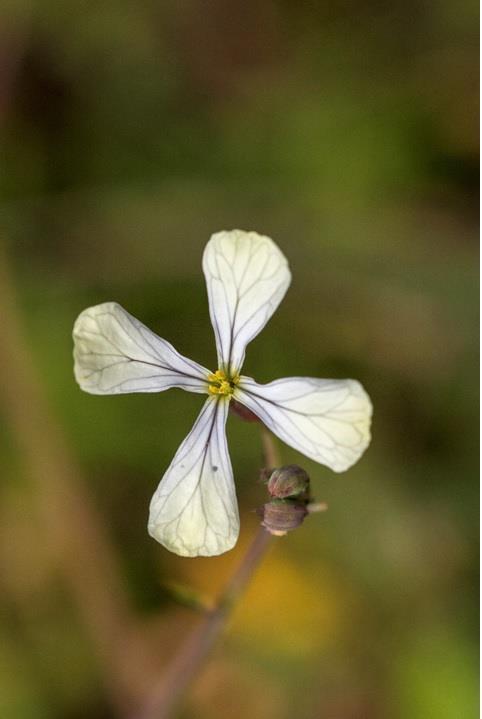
point(287, 607)
point(289, 610)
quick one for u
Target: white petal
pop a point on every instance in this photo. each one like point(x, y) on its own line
point(326, 420)
point(194, 511)
point(114, 353)
point(247, 277)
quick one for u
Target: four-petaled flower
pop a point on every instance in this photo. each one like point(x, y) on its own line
point(194, 509)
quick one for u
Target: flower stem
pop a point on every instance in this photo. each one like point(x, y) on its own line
point(192, 654)
point(271, 457)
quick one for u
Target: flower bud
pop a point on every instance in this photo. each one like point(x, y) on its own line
point(289, 481)
point(282, 516)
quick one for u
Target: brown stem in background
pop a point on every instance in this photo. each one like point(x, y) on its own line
point(192, 654)
point(72, 529)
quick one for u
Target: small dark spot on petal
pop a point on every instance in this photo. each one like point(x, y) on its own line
point(215, 469)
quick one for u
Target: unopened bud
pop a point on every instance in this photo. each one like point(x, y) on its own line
point(282, 516)
point(289, 481)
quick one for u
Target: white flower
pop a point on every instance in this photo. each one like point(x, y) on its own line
point(194, 509)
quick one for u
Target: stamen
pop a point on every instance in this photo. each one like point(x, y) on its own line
point(220, 383)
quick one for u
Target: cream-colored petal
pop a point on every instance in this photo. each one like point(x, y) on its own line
point(114, 353)
point(326, 420)
point(247, 277)
point(194, 511)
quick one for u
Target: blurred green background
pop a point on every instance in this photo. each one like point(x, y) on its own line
point(348, 132)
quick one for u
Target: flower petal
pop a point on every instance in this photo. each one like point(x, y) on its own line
point(247, 277)
point(194, 511)
point(326, 420)
point(114, 353)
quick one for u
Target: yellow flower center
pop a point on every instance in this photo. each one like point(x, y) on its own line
point(220, 383)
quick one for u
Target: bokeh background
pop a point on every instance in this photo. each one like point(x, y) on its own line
point(348, 132)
